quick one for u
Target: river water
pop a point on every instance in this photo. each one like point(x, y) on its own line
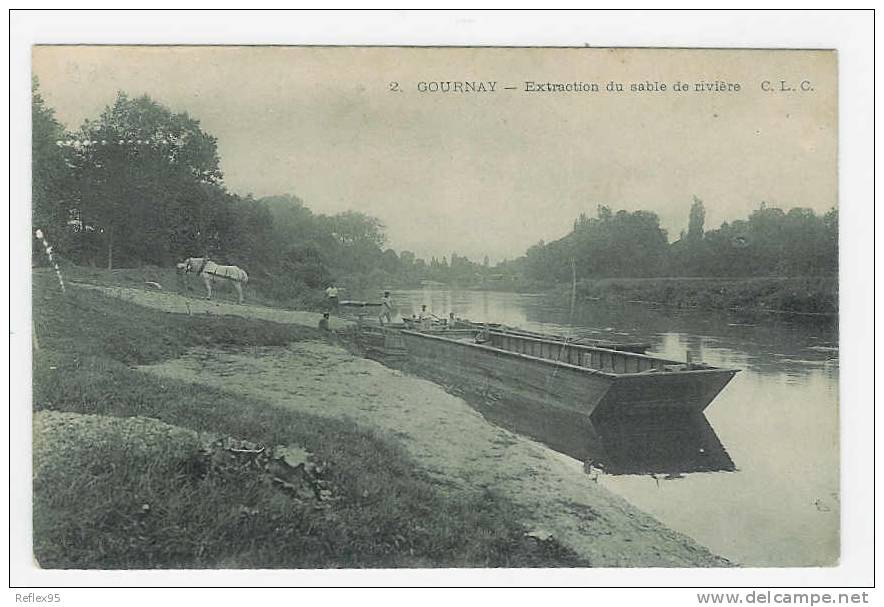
point(756, 478)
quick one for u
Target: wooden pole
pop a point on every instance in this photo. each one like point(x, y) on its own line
point(573, 285)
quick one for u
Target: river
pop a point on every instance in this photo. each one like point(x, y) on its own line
point(756, 478)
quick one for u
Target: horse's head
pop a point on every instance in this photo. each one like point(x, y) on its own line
point(191, 264)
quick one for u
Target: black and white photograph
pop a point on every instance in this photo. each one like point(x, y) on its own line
point(334, 307)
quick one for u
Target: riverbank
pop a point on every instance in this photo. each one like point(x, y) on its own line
point(424, 480)
point(776, 295)
point(816, 295)
point(124, 481)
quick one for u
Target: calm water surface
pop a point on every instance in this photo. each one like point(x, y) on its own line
point(756, 478)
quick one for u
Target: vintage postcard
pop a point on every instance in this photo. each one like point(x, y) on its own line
point(397, 307)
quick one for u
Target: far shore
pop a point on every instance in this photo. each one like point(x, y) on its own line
point(799, 296)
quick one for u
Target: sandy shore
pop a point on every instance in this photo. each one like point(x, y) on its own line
point(444, 435)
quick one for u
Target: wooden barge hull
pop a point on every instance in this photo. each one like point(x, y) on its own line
point(561, 375)
point(472, 327)
point(635, 347)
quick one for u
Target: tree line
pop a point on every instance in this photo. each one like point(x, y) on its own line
point(141, 185)
point(623, 244)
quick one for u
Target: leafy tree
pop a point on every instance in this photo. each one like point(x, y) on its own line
point(138, 169)
point(390, 262)
point(353, 228)
point(49, 183)
point(769, 242)
point(696, 220)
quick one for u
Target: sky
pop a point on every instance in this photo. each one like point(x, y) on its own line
point(485, 173)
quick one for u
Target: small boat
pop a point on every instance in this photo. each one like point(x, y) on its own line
point(588, 379)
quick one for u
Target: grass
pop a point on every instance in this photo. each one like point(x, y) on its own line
point(89, 501)
point(93, 324)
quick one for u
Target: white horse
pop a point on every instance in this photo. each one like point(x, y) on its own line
point(210, 271)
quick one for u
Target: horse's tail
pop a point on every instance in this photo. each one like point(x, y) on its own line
point(245, 277)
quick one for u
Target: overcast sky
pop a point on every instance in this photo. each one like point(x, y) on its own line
point(483, 173)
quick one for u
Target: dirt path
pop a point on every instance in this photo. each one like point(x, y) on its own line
point(169, 301)
point(442, 433)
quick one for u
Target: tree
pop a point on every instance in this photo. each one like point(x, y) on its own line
point(611, 244)
point(353, 228)
point(390, 262)
point(138, 170)
point(50, 204)
point(696, 220)
point(141, 126)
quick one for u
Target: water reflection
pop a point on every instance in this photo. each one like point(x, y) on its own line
point(672, 445)
point(676, 444)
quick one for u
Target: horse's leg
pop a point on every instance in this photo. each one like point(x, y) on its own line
point(239, 290)
point(208, 282)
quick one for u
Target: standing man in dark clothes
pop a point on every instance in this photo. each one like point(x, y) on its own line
point(386, 309)
point(331, 295)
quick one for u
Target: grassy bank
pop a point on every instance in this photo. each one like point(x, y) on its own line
point(110, 496)
point(281, 291)
point(809, 295)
